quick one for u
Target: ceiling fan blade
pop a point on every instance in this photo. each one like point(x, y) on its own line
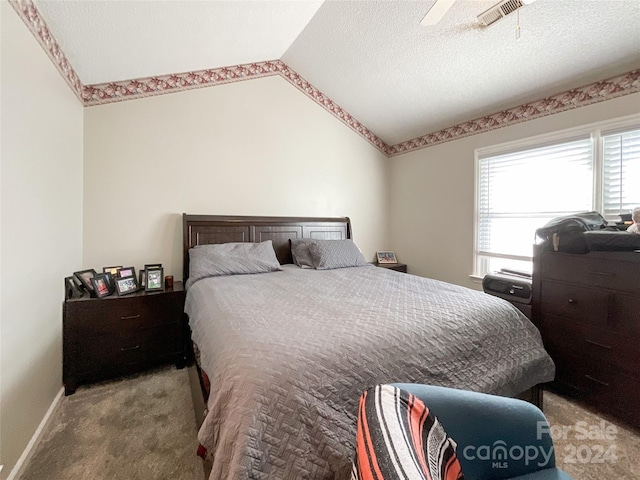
point(436, 12)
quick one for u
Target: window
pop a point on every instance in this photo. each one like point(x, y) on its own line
point(520, 187)
point(621, 155)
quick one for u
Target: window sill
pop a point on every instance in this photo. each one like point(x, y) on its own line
point(476, 278)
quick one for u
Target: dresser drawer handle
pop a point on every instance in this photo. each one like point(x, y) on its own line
point(596, 344)
point(573, 301)
point(126, 349)
point(599, 382)
point(130, 317)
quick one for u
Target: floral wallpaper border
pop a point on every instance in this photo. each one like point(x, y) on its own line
point(99, 94)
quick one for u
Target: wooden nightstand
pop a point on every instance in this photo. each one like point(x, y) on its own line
point(112, 336)
point(398, 267)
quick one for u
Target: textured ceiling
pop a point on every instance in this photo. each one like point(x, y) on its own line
point(403, 80)
point(373, 58)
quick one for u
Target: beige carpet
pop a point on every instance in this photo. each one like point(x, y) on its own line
point(139, 428)
point(143, 428)
point(590, 446)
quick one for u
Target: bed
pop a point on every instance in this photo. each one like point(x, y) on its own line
point(288, 353)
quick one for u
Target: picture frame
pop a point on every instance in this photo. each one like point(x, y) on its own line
point(71, 289)
point(127, 272)
point(154, 280)
point(101, 285)
point(142, 280)
point(126, 285)
point(111, 281)
point(386, 257)
point(149, 266)
point(112, 270)
point(84, 277)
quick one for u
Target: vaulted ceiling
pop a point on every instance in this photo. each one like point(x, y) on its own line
point(373, 59)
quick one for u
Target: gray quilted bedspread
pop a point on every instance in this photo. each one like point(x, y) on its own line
point(289, 353)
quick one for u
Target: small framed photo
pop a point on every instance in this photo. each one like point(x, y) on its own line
point(387, 257)
point(149, 266)
point(110, 281)
point(71, 289)
point(84, 277)
point(127, 272)
point(126, 285)
point(155, 280)
point(112, 270)
point(142, 281)
point(101, 285)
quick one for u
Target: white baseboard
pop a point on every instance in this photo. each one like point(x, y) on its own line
point(35, 439)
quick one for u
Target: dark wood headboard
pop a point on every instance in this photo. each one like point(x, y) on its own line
point(209, 229)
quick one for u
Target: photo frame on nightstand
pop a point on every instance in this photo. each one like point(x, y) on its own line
point(71, 289)
point(142, 280)
point(154, 280)
point(386, 257)
point(110, 280)
point(84, 277)
point(127, 272)
point(126, 285)
point(101, 285)
point(112, 270)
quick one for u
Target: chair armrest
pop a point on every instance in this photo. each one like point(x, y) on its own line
point(497, 437)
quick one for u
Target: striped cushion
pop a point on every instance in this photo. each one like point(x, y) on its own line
point(398, 438)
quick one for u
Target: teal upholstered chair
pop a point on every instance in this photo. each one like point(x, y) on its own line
point(497, 437)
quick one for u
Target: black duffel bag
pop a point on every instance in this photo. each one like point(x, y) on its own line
point(565, 234)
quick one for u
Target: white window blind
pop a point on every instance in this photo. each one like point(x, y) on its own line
point(520, 191)
point(621, 172)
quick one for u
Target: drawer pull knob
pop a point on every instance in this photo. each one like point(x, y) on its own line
point(126, 349)
point(599, 382)
point(573, 301)
point(130, 317)
point(596, 344)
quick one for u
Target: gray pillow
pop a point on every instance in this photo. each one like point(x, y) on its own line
point(300, 252)
point(231, 259)
point(330, 254)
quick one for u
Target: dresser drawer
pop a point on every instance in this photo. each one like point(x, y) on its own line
point(591, 271)
point(586, 341)
point(606, 309)
point(613, 391)
point(589, 305)
point(124, 348)
point(626, 313)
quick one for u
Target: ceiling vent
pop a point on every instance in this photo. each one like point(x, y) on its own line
point(499, 11)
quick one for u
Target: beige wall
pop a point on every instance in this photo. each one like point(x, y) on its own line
point(41, 215)
point(432, 192)
point(258, 147)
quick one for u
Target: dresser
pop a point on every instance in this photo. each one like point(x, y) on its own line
point(587, 308)
point(117, 335)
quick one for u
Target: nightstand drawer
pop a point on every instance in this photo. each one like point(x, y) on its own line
point(126, 348)
point(125, 315)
